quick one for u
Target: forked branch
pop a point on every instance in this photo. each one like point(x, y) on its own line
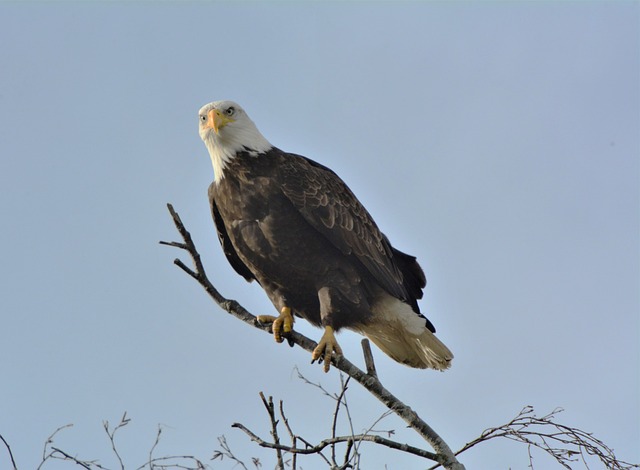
point(566, 444)
point(314, 449)
point(444, 455)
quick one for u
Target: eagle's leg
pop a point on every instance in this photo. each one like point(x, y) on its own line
point(281, 324)
point(331, 306)
point(326, 346)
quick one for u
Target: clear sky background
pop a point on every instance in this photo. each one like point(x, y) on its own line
point(497, 142)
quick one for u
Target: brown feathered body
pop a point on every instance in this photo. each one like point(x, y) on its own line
point(296, 228)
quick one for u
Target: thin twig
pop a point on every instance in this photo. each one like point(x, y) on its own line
point(50, 441)
point(317, 385)
point(226, 452)
point(340, 398)
point(123, 422)
point(6, 444)
point(268, 404)
point(155, 444)
point(369, 431)
point(291, 435)
point(85, 464)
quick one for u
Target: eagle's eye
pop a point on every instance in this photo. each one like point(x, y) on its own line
point(230, 110)
point(203, 118)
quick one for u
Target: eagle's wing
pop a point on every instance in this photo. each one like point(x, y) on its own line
point(328, 205)
point(225, 241)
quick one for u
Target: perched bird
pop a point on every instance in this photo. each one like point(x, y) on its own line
point(295, 227)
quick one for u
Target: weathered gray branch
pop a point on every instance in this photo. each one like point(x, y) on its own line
point(337, 439)
point(444, 455)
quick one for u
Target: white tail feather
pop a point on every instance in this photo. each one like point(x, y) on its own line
point(403, 336)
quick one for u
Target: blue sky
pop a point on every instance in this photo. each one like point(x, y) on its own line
point(496, 141)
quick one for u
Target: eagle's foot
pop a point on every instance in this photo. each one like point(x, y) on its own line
point(326, 346)
point(281, 325)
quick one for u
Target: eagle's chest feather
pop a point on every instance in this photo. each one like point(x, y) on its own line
point(267, 231)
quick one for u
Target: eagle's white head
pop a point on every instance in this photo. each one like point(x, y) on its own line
point(226, 129)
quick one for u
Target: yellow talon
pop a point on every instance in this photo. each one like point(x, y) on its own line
point(326, 346)
point(281, 324)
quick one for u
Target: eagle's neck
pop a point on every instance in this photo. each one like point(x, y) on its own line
point(224, 148)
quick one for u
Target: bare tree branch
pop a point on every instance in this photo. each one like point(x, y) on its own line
point(51, 454)
point(6, 444)
point(293, 437)
point(153, 447)
point(315, 449)
point(444, 455)
point(564, 443)
point(226, 452)
point(340, 399)
point(268, 404)
point(154, 463)
point(88, 464)
point(123, 422)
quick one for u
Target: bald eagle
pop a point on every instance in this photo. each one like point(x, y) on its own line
point(294, 226)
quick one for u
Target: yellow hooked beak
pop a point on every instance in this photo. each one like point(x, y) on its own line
point(217, 120)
